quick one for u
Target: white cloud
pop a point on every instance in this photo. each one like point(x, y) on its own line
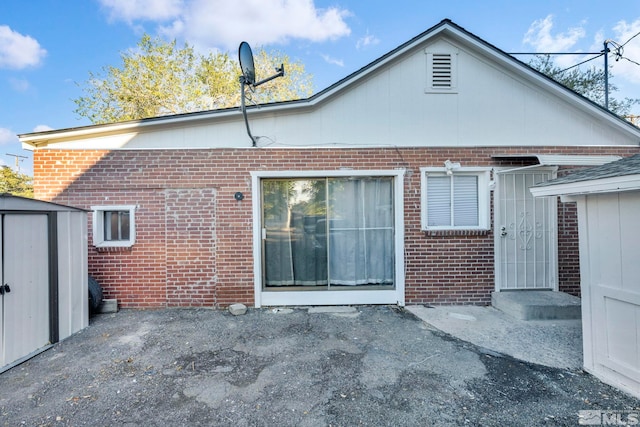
point(368, 40)
point(540, 37)
point(19, 51)
point(42, 128)
point(7, 136)
point(623, 33)
point(598, 40)
point(145, 10)
point(19, 85)
point(224, 24)
point(328, 59)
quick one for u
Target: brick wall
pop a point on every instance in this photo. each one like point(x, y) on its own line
point(194, 240)
point(568, 251)
point(190, 249)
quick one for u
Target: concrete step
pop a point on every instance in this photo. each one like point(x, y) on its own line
point(537, 305)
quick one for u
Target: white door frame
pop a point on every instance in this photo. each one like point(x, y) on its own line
point(328, 297)
point(498, 222)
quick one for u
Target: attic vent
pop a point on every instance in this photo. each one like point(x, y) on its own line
point(442, 70)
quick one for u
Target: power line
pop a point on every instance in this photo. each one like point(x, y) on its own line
point(583, 62)
point(630, 60)
point(19, 159)
point(618, 50)
point(554, 53)
point(631, 38)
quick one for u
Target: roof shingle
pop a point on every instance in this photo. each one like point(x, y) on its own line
point(627, 166)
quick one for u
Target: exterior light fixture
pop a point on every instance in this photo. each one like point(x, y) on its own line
point(449, 166)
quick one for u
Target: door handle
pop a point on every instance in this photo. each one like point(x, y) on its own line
point(4, 289)
point(503, 231)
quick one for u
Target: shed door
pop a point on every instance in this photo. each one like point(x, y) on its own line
point(24, 311)
point(525, 231)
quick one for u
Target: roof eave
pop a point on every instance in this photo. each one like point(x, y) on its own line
point(36, 139)
point(592, 186)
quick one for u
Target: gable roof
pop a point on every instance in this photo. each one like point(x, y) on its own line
point(621, 175)
point(445, 28)
point(448, 27)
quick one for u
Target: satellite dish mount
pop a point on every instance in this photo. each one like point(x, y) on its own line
point(248, 78)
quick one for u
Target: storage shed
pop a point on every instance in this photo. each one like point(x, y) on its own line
point(43, 267)
point(608, 204)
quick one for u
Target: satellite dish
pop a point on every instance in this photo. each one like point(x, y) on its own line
point(248, 78)
point(246, 63)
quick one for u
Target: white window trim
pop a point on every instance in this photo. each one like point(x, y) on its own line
point(98, 226)
point(341, 297)
point(484, 193)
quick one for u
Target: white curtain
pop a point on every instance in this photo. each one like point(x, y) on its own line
point(361, 231)
point(356, 214)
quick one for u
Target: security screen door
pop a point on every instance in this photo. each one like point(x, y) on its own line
point(525, 233)
point(328, 233)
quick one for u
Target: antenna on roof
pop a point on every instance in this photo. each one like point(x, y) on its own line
point(248, 78)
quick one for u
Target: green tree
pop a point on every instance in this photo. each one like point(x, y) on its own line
point(15, 183)
point(588, 83)
point(158, 78)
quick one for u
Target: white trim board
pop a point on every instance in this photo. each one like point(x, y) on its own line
point(601, 185)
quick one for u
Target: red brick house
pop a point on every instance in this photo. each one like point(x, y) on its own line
point(404, 183)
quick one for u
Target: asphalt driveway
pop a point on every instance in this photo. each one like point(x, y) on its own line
point(378, 365)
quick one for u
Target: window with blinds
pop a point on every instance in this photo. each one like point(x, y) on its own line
point(456, 201)
point(452, 201)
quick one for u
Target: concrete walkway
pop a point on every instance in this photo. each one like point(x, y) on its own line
point(553, 343)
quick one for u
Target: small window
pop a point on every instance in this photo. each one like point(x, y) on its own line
point(458, 200)
point(113, 226)
point(441, 72)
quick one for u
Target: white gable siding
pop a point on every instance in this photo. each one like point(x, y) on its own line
point(496, 102)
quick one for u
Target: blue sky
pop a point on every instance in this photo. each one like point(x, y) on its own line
point(48, 47)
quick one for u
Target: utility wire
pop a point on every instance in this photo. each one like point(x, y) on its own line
point(583, 62)
point(554, 53)
point(619, 50)
point(630, 60)
point(632, 37)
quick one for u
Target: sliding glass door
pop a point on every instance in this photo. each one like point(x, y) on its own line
point(328, 233)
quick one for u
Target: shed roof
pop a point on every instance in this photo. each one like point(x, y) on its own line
point(621, 175)
point(9, 202)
